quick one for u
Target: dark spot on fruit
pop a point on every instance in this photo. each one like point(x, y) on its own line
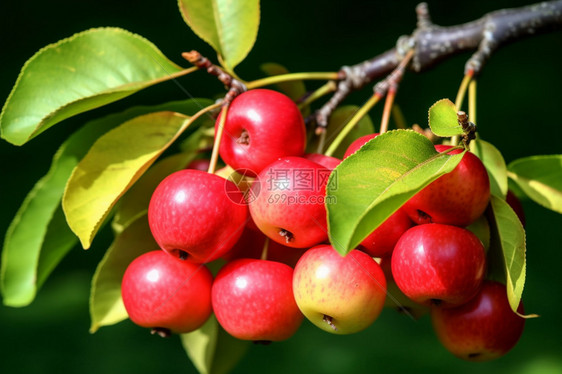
point(244, 138)
point(436, 302)
point(289, 237)
point(474, 355)
point(183, 255)
point(330, 321)
point(262, 342)
point(423, 217)
point(161, 331)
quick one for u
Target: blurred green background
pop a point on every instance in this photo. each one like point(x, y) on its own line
point(518, 101)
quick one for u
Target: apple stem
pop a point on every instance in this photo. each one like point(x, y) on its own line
point(352, 122)
point(460, 98)
point(472, 101)
point(330, 321)
point(217, 144)
point(325, 89)
point(292, 77)
point(321, 140)
point(183, 255)
point(161, 331)
point(387, 109)
point(265, 249)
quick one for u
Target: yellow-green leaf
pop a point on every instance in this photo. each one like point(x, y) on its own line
point(443, 119)
point(112, 165)
point(294, 89)
point(212, 350)
point(88, 70)
point(230, 27)
point(493, 160)
point(509, 237)
point(106, 304)
point(540, 178)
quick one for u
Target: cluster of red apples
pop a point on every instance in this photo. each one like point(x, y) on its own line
point(271, 234)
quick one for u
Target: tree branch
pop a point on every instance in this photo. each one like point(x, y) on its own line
point(432, 44)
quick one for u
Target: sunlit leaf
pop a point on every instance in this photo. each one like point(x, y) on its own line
point(540, 178)
point(80, 73)
point(112, 165)
point(493, 160)
point(509, 235)
point(106, 304)
point(230, 27)
point(443, 119)
point(370, 185)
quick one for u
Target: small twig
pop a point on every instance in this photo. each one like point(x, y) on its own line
point(235, 87)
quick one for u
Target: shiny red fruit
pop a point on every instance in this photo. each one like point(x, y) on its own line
point(167, 294)
point(382, 240)
point(197, 214)
point(437, 264)
point(261, 126)
point(358, 143)
point(289, 208)
point(339, 294)
point(253, 300)
point(457, 198)
point(483, 329)
point(328, 162)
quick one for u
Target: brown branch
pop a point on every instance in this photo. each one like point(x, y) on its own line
point(234, 86)
point(432, 44)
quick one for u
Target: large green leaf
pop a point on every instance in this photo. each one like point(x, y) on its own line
point(540, 178)
point(212, 350)
point(370, 185)
point(80, 73)
point(106, 304)
point(230, 27)
point(339, 118)
point(39, 237)
point(112, 166)
point(443, 119)
point(509, 238)
point(493, 160)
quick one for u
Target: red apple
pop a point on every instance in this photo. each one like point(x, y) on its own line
point(328, 162)
point(382, 240)
point(261, 126)
point(457, 198)
point(439, 264)
point(197, 215)
point(289, 207)
point(167, 294)
point(483, 329)
point(358, 143)
point(199, 164)
point(341, 295)
point(253, 300)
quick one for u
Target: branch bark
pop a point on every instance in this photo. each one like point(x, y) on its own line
point(432, 44)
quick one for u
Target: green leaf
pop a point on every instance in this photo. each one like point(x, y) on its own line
point(80, 73)
point(294, 89)
point(493, 160)
point(443, 119)
point(39, 237)
point(212, 350)
point(540, 178)
point(370, 185)
point(230, 27)
point(339, 118)
point(106, 304)
point(509, 236)
point(112, 166)
point(135, 202)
